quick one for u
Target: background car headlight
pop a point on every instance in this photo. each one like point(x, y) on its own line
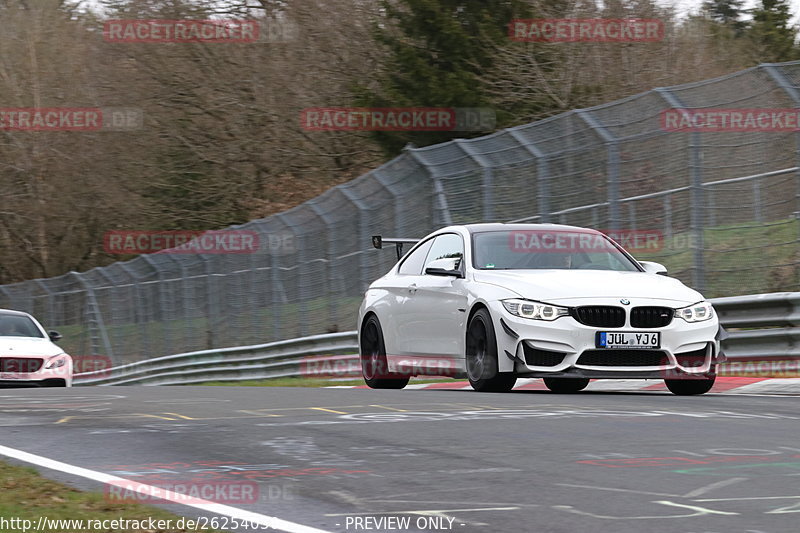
point(696, 312)
point(57, 362)
point(534, 310)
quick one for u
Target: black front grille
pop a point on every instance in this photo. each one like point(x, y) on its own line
point(651, 317)
point(537, 357)
point(601, 316)
point(623, 358)
point(20, 364)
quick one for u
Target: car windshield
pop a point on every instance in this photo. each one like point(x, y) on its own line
point(539, 249)
point(18, 326)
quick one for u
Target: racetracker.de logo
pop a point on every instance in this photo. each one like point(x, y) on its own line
point(586, 30)
point(224, 492)
point(637, 241)
point(181, 242)
point(557, 241)
point(341, 366)
point(180, 31)
point(397, 119)
point(730, 120)
point(70, 118)
point(98, 365)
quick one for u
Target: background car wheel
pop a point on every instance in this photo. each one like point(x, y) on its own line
point(482, 356)
point(689, 387)
point(566, 385)
point(373, 358)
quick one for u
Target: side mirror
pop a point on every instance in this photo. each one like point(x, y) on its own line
point(654, 268)
point(446, 266)
point(54, 336)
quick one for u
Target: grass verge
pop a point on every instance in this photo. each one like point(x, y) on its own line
point(25, 495)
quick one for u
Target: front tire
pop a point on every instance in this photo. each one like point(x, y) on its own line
point(482, 356)
point(690, 387)
point(566, 385)
point(373, 358)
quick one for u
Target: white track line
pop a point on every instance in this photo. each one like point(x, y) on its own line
point(135, 486)
point(774, 385)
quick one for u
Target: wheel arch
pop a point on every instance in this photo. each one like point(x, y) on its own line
point(504, 364)
point(361, 325)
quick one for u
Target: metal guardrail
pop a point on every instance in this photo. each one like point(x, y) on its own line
point(760, 327)
point(263, 361)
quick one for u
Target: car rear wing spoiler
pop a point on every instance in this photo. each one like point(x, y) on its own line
point(378, 242)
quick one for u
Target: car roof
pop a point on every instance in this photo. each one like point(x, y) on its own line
point(12, 312)
point(477, 228)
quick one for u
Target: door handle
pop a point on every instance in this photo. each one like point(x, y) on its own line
point(412, 288)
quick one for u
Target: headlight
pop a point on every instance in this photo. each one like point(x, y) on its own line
point(534, 310)
point(57, 362)
point(695, 313)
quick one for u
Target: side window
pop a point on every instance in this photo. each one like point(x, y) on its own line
point(447, 245)
point(412, 264)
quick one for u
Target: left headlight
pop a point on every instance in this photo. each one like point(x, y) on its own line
point(56, 362)
point(534, 310)
point(696, 312)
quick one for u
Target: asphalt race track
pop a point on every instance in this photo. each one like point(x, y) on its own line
point(432, 460)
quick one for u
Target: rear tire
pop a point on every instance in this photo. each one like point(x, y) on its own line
point(690, 387)
point(373, 358)
point(566, 385)
point(481, 356)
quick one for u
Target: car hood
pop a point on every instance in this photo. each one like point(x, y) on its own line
point(555, 286)
point(27, 347)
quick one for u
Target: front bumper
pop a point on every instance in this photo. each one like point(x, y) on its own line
point(21, 375)
point(566, 348)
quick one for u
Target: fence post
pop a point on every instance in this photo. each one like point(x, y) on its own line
point(542, 174)
point(777, 75)
point(667, 216)
point(94, 320)
point(438, 189)
point(333, 292)
point(211, 302)
point(50, 319)
point(711, 206)
point(364, 237)
point(164, 315)
point(632, 215)
point(757, 200)
point(488, 178)
point(278, 295)
point(696, 203)
point(613, 165)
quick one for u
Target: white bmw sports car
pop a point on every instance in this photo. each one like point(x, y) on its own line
point(494, 302)
point(28, 354)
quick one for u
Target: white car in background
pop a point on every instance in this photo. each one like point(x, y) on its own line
point(29, 355)
point(494, 302)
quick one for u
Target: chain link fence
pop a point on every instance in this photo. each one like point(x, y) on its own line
point(724, 203)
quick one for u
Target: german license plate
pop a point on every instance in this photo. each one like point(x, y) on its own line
point(623, 339)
